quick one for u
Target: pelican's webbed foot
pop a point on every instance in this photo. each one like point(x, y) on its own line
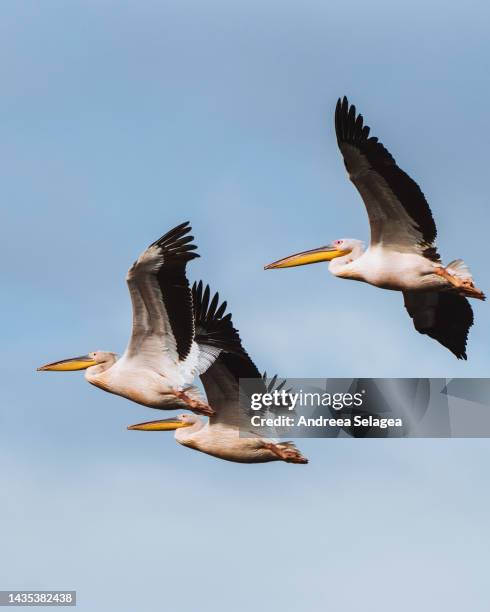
point(447, 276)
point(286, 452)
point(464, 286)
point(195, 405)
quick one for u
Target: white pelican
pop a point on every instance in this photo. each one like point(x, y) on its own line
point(220, 436)
point(165, 352)
point(402, 255)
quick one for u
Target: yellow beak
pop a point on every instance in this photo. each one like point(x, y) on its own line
point(68, 365)
point(325, 253)
point(163, 425)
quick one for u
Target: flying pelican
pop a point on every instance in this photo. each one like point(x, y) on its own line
point(220, 436)
point(165, 351)
point(402, 255)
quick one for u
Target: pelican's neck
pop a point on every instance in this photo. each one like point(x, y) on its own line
point(95, 374)
point(342, 266)
point(185, 434)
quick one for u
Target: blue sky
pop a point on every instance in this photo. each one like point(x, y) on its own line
point(122, 119)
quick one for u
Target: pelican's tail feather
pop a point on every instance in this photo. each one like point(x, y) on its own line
point(460, 269)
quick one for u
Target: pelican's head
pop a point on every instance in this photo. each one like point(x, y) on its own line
point(171, 424)
point(103, 359)
point(338, 248)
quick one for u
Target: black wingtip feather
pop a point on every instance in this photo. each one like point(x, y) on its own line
point(213, 326)
point(177, 245)
point(350, 130)
point(450, 322)
point(177, 249)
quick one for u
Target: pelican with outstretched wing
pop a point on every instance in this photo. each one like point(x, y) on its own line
point(164, 353)
point(229, 433)
point(402, 255)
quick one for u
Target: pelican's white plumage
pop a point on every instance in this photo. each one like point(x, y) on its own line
point(228, 434)
point(402, 254)
point(163, 355)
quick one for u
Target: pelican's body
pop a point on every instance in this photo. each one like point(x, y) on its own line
point(386, 269)
point(224, 442)
point(402, 255)
point(228, 434)
point(154, 388)
point(164, 353)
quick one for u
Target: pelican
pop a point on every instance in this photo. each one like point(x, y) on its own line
point(220, 435)
point(165, 351)
point(402, 255)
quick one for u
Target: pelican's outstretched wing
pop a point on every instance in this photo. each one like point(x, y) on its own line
point(223, 361)
point(222, 358)
point(446, 317)
point(214, 329)
point(399, 215)
point(163, 318)
point(221, 383)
